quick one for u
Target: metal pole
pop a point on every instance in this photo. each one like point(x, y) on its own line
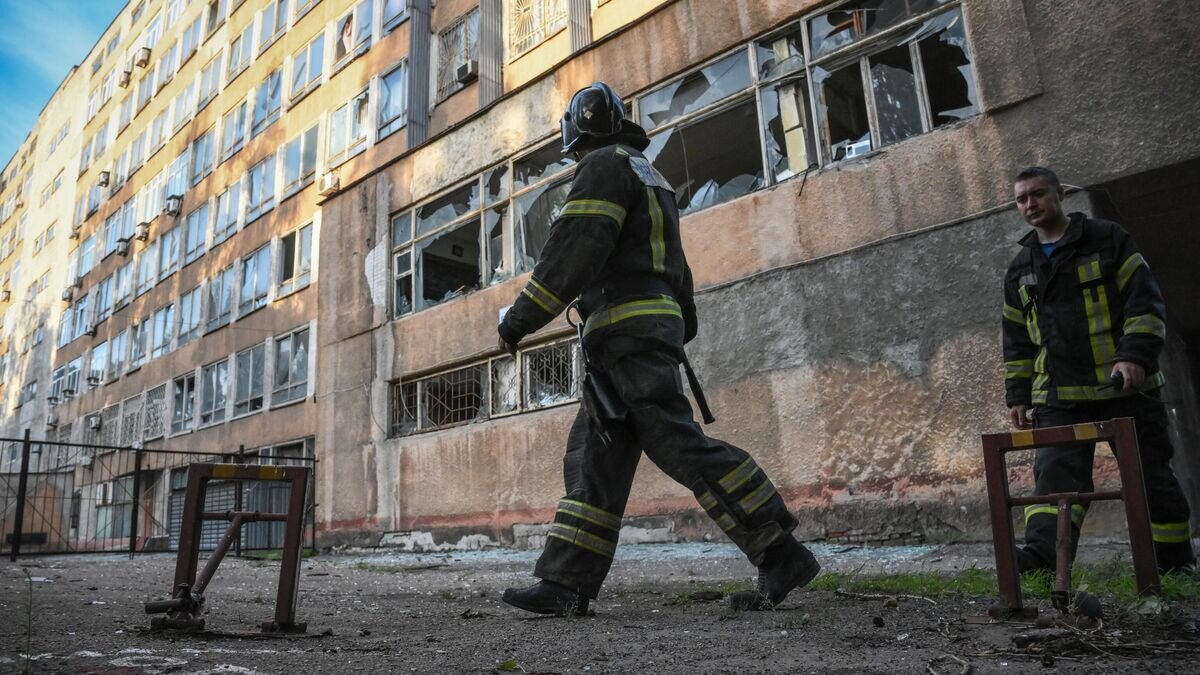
point(22, 486)
point(137, 501)
point(237, 502)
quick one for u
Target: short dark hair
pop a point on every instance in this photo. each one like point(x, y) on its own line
point(1039, 172)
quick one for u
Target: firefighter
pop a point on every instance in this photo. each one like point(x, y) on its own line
point(615, 245)
point(1083, 326)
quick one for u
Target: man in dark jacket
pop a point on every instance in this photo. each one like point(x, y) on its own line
point(1083, 326)
point(615, 245)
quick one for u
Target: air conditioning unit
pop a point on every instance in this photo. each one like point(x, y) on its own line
point(93, 381)
point(142, 57)
point(467, 71)
point(93, 422)
point(68, 294)
point(174, 205)
point(91, 331)
point(68, 393)
point(5, 295)
point(143, 231)
point(123, 247)
point(78, 283)
point(329, 184)
point(102, 179)
point(51, 421)
point(74, 233)
point(123, 79)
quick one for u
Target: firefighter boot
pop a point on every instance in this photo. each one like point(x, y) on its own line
point(786, 566)
point(547, 597)
point(1028, 560)
point(1175, 557)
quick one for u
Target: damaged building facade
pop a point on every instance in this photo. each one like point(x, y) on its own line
point(844, 171)
point(295, 223)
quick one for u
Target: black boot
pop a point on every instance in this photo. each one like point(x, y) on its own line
point(1029, 561)
point(1174, 557)
point(787, 565)
point(547, 597)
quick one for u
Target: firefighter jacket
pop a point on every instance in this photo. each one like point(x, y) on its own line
point(1067, 319)
point(614, 245)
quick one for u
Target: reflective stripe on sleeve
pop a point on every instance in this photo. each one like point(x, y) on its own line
point(1146, 324)
point(1128, 268)
point(658, 248)
point(1013, 314)
point(543, 297)
point(1018, 370)
point(594, 207)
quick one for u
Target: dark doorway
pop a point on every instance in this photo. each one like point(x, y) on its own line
point(1161, 210)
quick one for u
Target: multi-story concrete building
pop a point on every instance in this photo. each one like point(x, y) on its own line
point(297, 222)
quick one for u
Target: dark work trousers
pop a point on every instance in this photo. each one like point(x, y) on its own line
point(730, 487)
point(1069, 469)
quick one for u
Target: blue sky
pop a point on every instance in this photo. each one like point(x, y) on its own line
point(40, 42)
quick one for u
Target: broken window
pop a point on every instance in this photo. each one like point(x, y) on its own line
point(268, 101)
point(446, 209)
point(156, 413)
point(887, 70)
point(534, 212)
point(295, 259)
point(353, 33)
point(291, 367)
point(453, 398)
point(551, 375)
point(348, 128)
point(393, 100)
point(255, 277)
point(307, 66)
point(785, 105)
point(711, 159)
point(694, 91)
point(248, 392)
point(184, 401)
point(505, 385)
point(450, 264)
point(214, 390)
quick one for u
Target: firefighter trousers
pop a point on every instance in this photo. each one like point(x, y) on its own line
point(729, 486)
point(1069, 469)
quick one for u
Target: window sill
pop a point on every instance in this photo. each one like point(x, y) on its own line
point(209, 34)
point(303, 93)
point(395, 23)
point(251, 311)
point(209, 329)
point(262, 49)
point(181, 432)
point(210, 425)
point(349, 57)
point(230, 77)
point(281, 293)
point(244, 415)
point(294, 190)
point(302, 12)
point(291, 402)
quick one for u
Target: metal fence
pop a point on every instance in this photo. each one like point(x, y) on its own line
point(89, 498)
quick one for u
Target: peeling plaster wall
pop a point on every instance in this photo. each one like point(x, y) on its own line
point(859, 362)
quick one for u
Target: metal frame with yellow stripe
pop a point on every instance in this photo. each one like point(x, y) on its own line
point(1069, 508)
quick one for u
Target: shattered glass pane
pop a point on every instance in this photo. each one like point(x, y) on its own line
point(549, 376)
point(711, 160)
point(545, 161)
point(851, 22)
point(894, 83)
point(843, 107)
point(494, 223)
point(789, 141)
point(455, 397)
point(780, 55)
point(495, 184)
point(534, 214)
point(694, 91)
point(946, 60)
point(401, 228)
point(505, 385)
point(450, 264)
point(403, 297)
point(446, 209)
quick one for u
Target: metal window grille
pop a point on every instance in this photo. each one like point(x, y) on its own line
point(550, 375)
point(532, 21)
point(110, 425)
point(457, 45)
point(454, 397)
point(156, 410)
point(131, 421)
point(506, 385)
point(404, 408)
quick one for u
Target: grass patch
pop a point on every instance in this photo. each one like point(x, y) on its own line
point(1112, 581)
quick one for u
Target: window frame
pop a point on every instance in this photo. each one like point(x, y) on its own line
point(278, 397)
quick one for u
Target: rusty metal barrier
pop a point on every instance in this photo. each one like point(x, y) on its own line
point(187, 596)
point(1122, 438)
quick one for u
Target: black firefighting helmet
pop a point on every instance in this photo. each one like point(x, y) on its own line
point(596, 112)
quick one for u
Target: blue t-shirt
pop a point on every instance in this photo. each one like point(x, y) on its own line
point(1048, 249)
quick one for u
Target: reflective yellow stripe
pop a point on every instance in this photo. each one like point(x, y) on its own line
point(1021, 439)
point(658, 248)
point(1040, 509)
point(1013, 314)
point(1147, 324)
point(590, 513)
point(1089, 393)
point(707, 501)
point(736, 478)
point(1100, 326)
point(593, 207)
point(1078, 512)
point(1018, 370)
point(1128, 268)
point(1042, 377)
point(664, 305)
point(725, 522)
point(584, 540)
point(1089, 271)
point(1169, 533)
point(1086, 432)
point(543, 297)
point(759, 496)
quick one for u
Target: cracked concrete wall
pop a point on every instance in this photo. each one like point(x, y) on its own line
point(860, 375)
